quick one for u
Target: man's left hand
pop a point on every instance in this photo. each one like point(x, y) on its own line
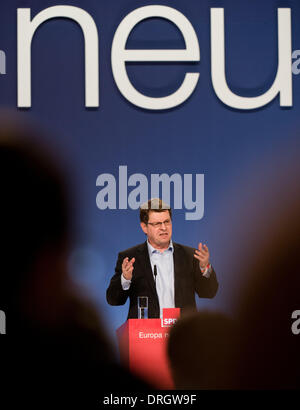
point(202, 254)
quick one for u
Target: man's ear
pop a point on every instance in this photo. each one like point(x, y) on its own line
point(144, 227)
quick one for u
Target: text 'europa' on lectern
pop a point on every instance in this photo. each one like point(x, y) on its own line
point(143, 347)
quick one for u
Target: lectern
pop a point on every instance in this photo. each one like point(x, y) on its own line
point(143, 344)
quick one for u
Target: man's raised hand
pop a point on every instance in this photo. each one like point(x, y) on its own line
point(127, 268)
point(202, 254)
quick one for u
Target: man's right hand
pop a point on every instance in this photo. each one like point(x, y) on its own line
point(127, 268)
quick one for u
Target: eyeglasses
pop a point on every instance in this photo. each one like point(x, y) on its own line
point(157, 225)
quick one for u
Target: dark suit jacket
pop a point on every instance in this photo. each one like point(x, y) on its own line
point(187, 276)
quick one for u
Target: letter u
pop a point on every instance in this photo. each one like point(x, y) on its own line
point(283, 81)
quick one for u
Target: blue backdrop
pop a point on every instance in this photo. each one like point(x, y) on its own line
point(234, 149)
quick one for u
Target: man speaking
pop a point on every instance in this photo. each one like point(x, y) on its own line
point(168, 273)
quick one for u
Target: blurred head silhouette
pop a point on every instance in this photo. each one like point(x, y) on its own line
point(268, 353)
point(53, 328)
point(267, 349)
point(35, 222)
point(200, 351)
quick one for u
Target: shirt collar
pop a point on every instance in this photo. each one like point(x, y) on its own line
point(152, 250)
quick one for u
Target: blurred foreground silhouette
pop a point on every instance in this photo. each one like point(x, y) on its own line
point(56, 349)
point(268, 353)
point(200, 351)
point(258, 350)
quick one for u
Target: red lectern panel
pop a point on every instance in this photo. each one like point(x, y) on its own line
point(143, 345)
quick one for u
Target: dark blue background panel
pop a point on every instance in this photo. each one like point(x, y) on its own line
point(234, 149)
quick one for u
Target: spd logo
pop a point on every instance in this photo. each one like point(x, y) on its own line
point(170, 316)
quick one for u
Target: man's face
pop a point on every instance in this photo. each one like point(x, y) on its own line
point(158, 229)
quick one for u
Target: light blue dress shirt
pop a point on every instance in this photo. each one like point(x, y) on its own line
point(165, 275)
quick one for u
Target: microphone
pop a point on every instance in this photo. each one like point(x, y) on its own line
point(155, 272)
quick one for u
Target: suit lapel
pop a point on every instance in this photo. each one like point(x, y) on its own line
point(178, 273)
point(145, 262)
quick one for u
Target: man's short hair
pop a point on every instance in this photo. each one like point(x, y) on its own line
point(154, 205)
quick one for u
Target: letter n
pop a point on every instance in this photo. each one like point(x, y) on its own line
point(26, 30)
